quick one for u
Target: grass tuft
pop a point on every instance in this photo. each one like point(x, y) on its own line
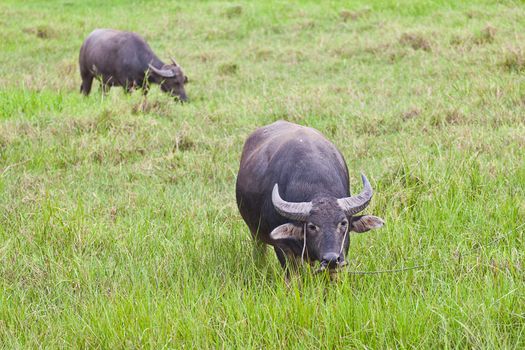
point(417, 41)
point(411, 113)
point(228, 68)
point(42, 32)
point(233, 11)
point(514, 59)
point(348, 15)
point(486, 36)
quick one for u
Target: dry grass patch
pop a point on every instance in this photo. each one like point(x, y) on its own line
point(454, 117)
point(306, 25)
point(417, 41)
point(486, 36)
point(205, 57)
point(233, 11)
point(514, 59)
point(447, 117)
point(41, 32)
point(348, 15)
point(263, 54)
point(229, 68)
point(183, 143)
point(411, 114)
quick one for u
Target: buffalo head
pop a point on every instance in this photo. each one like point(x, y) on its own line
point(325, 223)
point(172, 79)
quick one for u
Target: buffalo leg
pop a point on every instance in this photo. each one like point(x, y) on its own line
point(145, 89)
point(144, 103)
point(288, 260)
point(85, 87)
point(129, 86)
point(280, 256)
point(104, 88)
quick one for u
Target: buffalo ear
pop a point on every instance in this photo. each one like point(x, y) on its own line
point(365, 223)
point(287, 231)
point(186, 79)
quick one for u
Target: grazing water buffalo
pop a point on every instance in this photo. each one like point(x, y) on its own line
point(124, 59)
point(293, 193)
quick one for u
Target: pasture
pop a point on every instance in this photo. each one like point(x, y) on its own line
point(119, 227)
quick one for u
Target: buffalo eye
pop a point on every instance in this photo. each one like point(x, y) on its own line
point(312, 227)
point(344, 223)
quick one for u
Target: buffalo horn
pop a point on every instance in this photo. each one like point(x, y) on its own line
point(355, 204)
point(165, 73)
point(298, 211)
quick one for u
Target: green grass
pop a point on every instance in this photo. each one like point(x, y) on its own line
point(119, 228)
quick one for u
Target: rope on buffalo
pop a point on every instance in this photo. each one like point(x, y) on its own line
point(386, 271)
point(304, 243)
point(415, 267)
point(344, 239)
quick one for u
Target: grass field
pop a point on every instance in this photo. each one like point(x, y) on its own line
point(119, 228)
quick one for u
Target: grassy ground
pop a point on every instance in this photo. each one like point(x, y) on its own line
point(119, 229)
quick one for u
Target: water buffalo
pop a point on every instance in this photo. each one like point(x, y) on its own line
point(292, 191)
point(124, 59)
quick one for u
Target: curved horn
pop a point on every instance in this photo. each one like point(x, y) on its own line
point(355, 204)
point(174, 62)
point(298, 211)
point(165, 73)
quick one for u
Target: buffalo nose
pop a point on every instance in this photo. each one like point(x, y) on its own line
point(331, 260)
